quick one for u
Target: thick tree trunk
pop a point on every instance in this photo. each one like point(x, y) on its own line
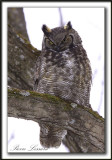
point(17, 21)
point(22, 57)
point(85, 128)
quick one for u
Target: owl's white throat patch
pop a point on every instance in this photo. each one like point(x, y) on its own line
point(70, 63)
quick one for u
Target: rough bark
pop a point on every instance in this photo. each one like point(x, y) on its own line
point(22, 57)
point(85, 128)
point(17, 20)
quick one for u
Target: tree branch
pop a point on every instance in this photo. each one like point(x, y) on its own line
point(85, 128)
point(61, 17)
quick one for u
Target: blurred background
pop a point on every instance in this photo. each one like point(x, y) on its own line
point(89, 23)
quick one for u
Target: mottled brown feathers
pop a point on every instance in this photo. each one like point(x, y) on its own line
point(63, 68)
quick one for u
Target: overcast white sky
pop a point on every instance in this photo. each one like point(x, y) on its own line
point(89, 23)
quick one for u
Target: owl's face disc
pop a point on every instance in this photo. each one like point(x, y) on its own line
point(58, 40)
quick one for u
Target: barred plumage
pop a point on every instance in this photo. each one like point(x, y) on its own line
point(63, 68)
point(50, 135)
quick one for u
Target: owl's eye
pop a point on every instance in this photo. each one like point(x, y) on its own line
point(67, 39)
point(48, 41)
point(51, 42)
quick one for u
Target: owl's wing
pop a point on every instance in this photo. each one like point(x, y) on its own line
point(36, 74)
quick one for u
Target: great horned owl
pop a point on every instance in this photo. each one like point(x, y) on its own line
point(63, 68)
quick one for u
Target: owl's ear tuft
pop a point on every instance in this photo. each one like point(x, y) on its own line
point(68, 26)
point(45, 29)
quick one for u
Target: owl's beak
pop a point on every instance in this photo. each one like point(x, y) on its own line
point(57, 48)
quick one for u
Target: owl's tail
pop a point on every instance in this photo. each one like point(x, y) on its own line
point(51, 135)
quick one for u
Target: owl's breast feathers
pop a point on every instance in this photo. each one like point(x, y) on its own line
point(65, 74)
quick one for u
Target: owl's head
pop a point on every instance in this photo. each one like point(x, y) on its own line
point(60, 38)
